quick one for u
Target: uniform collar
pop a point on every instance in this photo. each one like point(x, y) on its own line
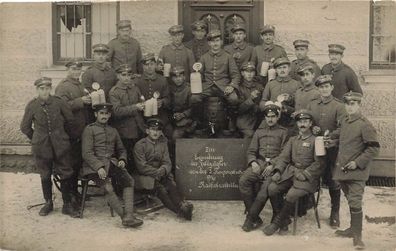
point(353, 117)
point(100, 124)
point(338, 67)
point(264, 125)
point(304, 137)
point(219, 53)
point(150, 77)
point(101, 66)
point(241, 46)
point(250, 84)
point(308, 88)
point(283, 79)
point(326, 100)
point(174, 47)
point(123, 41)
point(124, 86)
point(179, 88)
point(301, 61)
point(268, 47)
point(73, 80)
point(45, 102)
point(201, 41)
point(160, 139)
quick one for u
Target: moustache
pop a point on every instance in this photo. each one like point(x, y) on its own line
point(301, 127)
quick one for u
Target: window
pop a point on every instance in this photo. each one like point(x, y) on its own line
point(382, 35)
point(79, 25)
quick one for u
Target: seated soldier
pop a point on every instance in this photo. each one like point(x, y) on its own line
point(297, 171)
point(180, 93)
point(105, 157)
point(220, 76)
point(152, 159)
point(250, 95)
point(266, 144)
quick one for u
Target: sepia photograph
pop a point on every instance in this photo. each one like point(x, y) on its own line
point(188, 125)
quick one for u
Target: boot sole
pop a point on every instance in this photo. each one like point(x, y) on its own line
point(132, 225)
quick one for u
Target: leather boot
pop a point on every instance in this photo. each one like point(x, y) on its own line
point(334, 219)
point(115, 203)
point(251, 224)
point(248, 201)
point(279, 219)
point(186, 209)
point(129, 220)
point(276, 203)
point(68, 207)
point(48, 207)
point(347, 233)
point(357, 226)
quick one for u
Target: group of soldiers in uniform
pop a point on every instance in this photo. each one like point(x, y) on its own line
point(282, 114)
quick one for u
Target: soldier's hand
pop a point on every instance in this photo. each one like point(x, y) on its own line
point(140, 106)
point(254, 94)
point(329, 142)
point(267, 171)
point(300, 177)
point(161, 172)
point(276, 177)
point(121, 164)
point(316, 130)
point(350, 166)
point(102, 173)
point(228, 90)
point(86, 99)
point(255, 167)
point(178, 116)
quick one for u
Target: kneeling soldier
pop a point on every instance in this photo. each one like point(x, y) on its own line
point(105, 157)
point(358, 146)
point(45, 122)
point(266, 144)
point(297, 171)
point(152, 159)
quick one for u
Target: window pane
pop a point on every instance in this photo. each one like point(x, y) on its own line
point(104, 19)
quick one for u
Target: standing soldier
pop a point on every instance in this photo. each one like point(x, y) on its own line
point(199, 44)
point(268, 51)
point(358, 145)
point(343, 77)
point(301, 51)
point(250, 95)
point(100, 71)
point(125, 49)
point(104, 158)
point(127, 107)
point(267, 142)
point(327, 113)
point(46, 120)
point(176, 54)
point(240, 50)
point(152, 159)
point(297, 171)
point(308, 91)
point(72, 91)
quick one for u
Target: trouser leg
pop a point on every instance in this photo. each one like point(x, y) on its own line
point(246, 187)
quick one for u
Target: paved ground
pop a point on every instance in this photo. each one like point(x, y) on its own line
point(216, 225)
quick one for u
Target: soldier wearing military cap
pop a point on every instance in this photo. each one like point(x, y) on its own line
point(180, 94)
point(47, 122)
point(199, 44)
point(72, 91)
point(220, 76)
point(297, 171)
point(268, 50)
point(343, 77)
point(125, 97)
point(249, 93)
point(100, 71)
point(152, 159)
point(327, 112)
point(301, 50)
point(308, 91)
point(282, 89)
point(105, 157)
point(266, 144)
point(240, 50)
point(175, 53)
point(124, 49)
point(358, 145)
point(153, 85)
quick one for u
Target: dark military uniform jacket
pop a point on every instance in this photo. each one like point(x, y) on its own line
point(178, 56)
point(219, 69)
point(151, 155)
point(71, 90)
point(327, 113)
point(241, 53)
point(148, 84)
point(266, 144)
point(357, 142)
point(304, 96)
point(280, 86)
point(127, 119)
point(101, 146)
point(45, 123)
point(295, 64)
point(264, 53)
point(181, 102)
point(344, 79)
point(102, 74)
point(125, 52)
point(198, 47)
point(249, 107)
point(298, 156)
